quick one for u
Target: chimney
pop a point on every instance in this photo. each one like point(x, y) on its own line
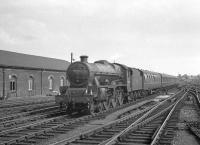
point(84, 58)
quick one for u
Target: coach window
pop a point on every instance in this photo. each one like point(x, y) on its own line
point(30, 83)
point(51, 83)
point(145, 76)
point(62, 80)
point(13, 83)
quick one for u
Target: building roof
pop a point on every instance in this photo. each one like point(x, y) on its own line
point(19, 60)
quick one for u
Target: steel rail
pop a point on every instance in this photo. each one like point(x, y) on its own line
point(194, 126)
point(26, 113)
point(23, 103)
point(101, 127)
point(133, 126)
point(113, 139)
point(197, 95)
point(31, 125)
point(28, 135)
point(27, 119)
point(157, 136)
point(81, 135)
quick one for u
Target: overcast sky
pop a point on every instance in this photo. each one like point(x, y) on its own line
point(158, 35)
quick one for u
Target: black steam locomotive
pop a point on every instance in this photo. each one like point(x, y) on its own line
point(101, 85)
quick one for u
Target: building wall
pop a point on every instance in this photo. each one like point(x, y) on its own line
point(22, 77)
point(56, 76)
point(1, 82)
point(40, 82)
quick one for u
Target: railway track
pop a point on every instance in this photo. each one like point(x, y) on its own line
point(142, 107)
point(146, 131)
point(194, 126)
point(102, 134)
point(20, 119)
point(39, 113)
point(21, 102)
point(157, 130)
point(25, 108)
point(30, 134)
point(168, 128)
point(166, 133)
point(24, 114)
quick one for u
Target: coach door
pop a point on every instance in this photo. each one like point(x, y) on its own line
point(129, 80)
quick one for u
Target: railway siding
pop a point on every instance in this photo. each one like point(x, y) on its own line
point(107, 131)
point(166, 132)
point(188, 122)
point(149, 126)
point(50, 127)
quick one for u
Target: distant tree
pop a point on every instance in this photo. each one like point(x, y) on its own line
point(185, 76)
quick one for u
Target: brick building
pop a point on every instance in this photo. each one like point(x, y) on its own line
point(28, 75)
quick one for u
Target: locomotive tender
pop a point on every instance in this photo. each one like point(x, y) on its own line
point(101, 85)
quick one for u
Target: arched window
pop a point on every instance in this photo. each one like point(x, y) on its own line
point(13, 83)
point(62, 81)
point(51, 83)
point(30, 83)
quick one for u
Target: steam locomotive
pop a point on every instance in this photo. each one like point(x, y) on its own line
point(99, 86)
